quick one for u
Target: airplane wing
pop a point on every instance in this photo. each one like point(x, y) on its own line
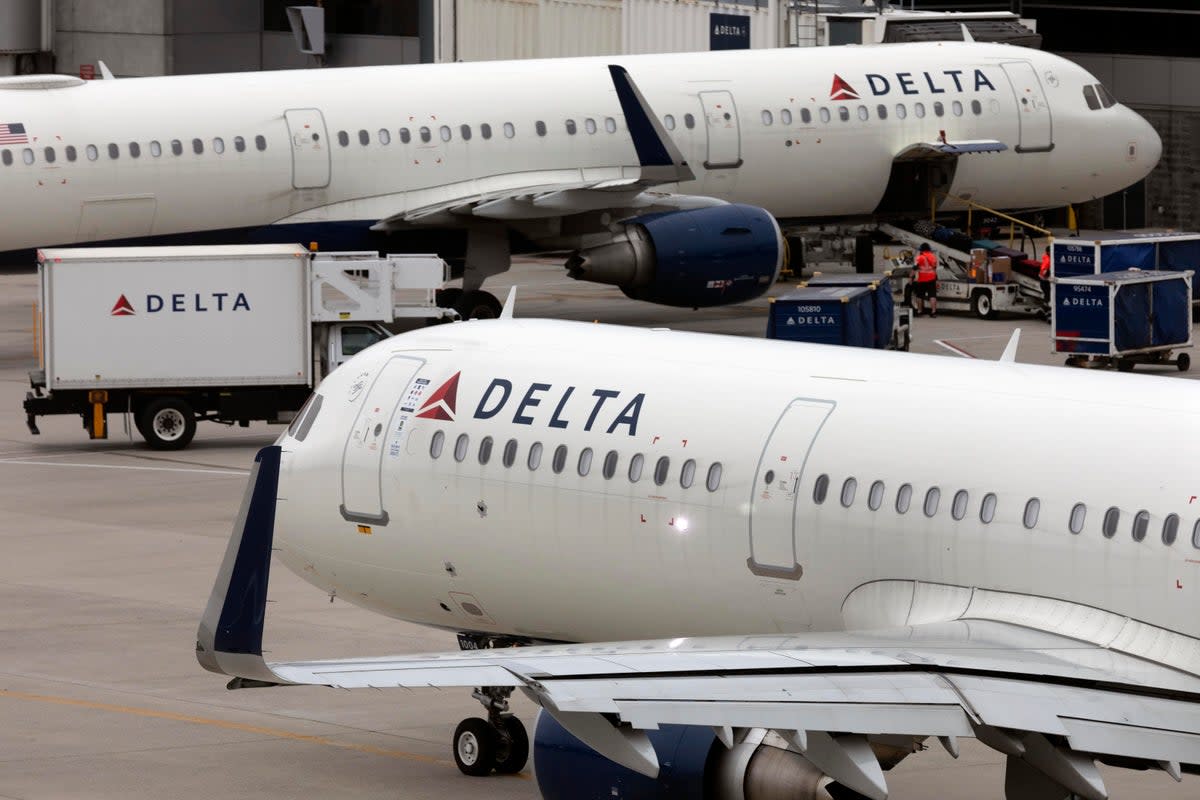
point(1054, 705)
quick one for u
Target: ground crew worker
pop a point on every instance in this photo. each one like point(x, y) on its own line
point(1044, 279)
point(925, 284)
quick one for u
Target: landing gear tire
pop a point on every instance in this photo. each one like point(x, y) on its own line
point(167, 423)
point(475, 746)
point(513, 750)
point(478, 304)
point(981, 304)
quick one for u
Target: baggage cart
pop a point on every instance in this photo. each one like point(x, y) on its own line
point(893, 324)
point(823, 315)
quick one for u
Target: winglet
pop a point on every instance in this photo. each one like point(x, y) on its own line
point(229, 640)
point(510, 303)
point(1010, 350)
point(105, 72)
point(660, 159)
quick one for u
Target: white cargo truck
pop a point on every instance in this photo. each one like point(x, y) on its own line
point(172, 335)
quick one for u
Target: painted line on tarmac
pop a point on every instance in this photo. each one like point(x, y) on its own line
point(241, 727)
point(31, 463)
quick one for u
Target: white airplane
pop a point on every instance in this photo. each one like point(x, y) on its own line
point(479, 161)
point(727, 567)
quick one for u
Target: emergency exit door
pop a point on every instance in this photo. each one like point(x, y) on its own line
point(310, 148)
point(773, 551)
point(1033, 110)
point(724, 135)
point(362, 459)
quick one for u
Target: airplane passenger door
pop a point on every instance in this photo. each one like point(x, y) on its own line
point(362, 458)
point(724, 135)
point(310, 148)
point(1033, 110)
point(776, 486)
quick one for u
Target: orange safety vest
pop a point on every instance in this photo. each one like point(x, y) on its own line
point(926, 267)
point(1044, 273)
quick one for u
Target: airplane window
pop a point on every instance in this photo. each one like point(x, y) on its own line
point(49, 155)
point(585, 462)
point(938, 108)
point(384, 136)
point(461, 444)
point(155, 148)
point(1106, 98)
point(1196, 535)
point(509, 130)
point(976, 107)
point(1112, 518)
point(559, 462)
point(465, 132)
point(343, 139)
point(405, 136)
point(1078, 517)
point(176, 147)
point(881, 111)
point(589, 125)
point(956, 108)
point(805, 116)
point(303, 422)
point(903, 498)
point(197, 146)
point(113, 152)
point(958, 508)
point(510, 453)
point(875, 496)
point(661, 468)
point(260, 142)
point(444, 132)
point(135, 149)
point(364, 138)
point(844, 114)
point(820, 489)
point(901, 111)
point(1170, 529)
point(485, 450)
point(863, 113)
point(785, 116)
point(669, 122)
point(688, 474)
point(610, 125)
point(92, 152)
point(689, 121)
point(610, 465)
point(767, 117)
point(425, 134)
point(540, 127)
point(1141, 523)
point(713, 482)
point(919, 110)
point(239, 144)
point(932, 498)
point(27, 155)
point(6, 157)
point(987, 509)
point(571, 127)
point(1032, 508)
point(218, 145)
point(485, 130)
point(635, 467)
point(535, 456)
point(848, 489)
point(435, 444)
point(824, 114)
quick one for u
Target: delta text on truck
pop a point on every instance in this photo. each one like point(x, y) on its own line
point(174, 335)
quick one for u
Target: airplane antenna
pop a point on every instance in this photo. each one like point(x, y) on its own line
point(509, 303)
point(1010, 350)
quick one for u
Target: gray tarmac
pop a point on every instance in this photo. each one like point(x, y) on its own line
point(107, 555)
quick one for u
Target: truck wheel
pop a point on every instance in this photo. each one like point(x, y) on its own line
point(448, 298)
point(981, 304)
point(478, 305)
point(168, 423)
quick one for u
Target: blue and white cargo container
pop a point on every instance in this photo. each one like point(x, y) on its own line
point(824, 315)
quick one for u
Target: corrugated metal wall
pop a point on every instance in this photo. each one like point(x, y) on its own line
point(670, 26)
point(487, 30)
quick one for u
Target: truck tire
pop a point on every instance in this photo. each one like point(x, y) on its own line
point(478, 304)
point(167, 423)
point(981, 304)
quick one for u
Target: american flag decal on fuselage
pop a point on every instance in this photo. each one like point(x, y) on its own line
point(13, 133)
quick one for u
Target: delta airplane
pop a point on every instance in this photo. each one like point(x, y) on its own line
point(664, 175)
point(714, 562)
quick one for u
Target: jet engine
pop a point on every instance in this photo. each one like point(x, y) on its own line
point(693, 765)
point(695, 258)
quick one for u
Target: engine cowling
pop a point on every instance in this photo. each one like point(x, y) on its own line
point(695, 258)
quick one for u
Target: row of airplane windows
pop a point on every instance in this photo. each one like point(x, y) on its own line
point(1110, 523)
point(155, 148)
point(558, 461)
point(864, 113)
point(465, 132)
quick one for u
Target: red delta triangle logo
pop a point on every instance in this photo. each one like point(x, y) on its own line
point(440, 404)
point(122, 308)
point(842, 90)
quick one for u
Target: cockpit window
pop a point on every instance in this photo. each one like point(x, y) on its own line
point(1089, 94)
point(1106, 98)
point(303, 422)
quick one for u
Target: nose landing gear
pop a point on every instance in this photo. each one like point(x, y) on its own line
point(497, 743)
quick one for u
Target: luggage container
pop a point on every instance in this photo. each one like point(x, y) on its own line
point(1174, 251)
point(893, 326)
point(823, 315)
point(1123, 318)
